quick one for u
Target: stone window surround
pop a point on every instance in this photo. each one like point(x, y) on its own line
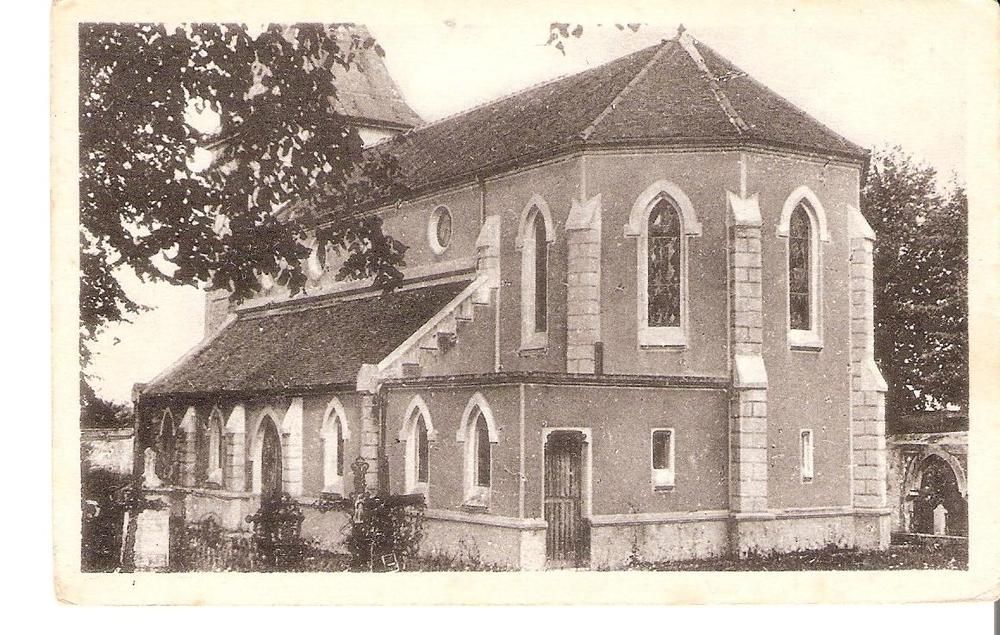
point(663, 479)
point(417, 409)
point(525, 243)
point(475, 496)
point(638, 227)
point(807, 446)
point(437, 212)
point(333, 417)
point(812, 339)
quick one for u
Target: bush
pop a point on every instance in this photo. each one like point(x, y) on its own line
point(383, 532)
point(277, 534)
point(103, 503)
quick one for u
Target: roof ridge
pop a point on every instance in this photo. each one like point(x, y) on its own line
point(589, 130)
point(689, 44)
point(507, 96)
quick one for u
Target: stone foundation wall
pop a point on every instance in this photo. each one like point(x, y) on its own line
point(613, 545)
point(509, 543)
point(785, 534)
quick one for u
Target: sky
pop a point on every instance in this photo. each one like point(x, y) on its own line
point(881, 74)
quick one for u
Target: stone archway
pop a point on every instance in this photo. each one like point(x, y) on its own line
point(936, 480)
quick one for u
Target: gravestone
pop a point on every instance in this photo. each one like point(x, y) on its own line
point(152, 525)
point(940, 521)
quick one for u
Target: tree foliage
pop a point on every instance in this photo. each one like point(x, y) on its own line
point(284, 168)
point(921, 282)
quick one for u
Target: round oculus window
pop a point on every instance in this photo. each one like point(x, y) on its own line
point(439, 231)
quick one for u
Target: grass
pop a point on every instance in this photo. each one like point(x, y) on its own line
point(936, 555)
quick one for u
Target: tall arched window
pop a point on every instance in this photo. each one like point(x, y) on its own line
point(334, 433)
point(800, 270)
point(662, 221)
point(664, 265)
point(534, 236)
point(541, 275)
point(803, 225)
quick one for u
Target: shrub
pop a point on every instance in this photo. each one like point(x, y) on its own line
point(384, 531)
point(103, 505)
point(277, 534)
point(205, 546)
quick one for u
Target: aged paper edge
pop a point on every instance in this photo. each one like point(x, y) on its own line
point(980, 582)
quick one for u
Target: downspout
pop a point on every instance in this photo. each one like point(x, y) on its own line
point(383, 459)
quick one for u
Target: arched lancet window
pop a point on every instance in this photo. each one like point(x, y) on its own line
point(484, 453)
point(541, 275)
point(803, 225)
point(534, 236)
point(418, 433)
point(334, 433)
point(267, 459)
point(663, 262)
point(216, 451)
point(800, 265)
point(478, 432)
point(662, 221)
point(165, 446)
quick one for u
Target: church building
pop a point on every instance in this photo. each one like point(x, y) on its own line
point(636, 323)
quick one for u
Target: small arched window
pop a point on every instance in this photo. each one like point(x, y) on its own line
point(484, 452)
point(334, 433)
point(418, 433)
point(800, 270)
point(216, 448)
point(165, 446)
point(664, 265)
point(478, 432)
point(541, 276)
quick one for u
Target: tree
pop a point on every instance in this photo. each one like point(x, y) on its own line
point(921, 283)
point(284, 167)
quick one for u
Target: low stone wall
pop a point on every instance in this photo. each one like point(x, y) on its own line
point(228, 509)
point(482, 539)
point(108, 449)
point(616, 539)
point(327, 529)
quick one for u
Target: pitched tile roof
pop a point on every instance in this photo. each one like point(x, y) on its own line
point(308, 348)
point(679, 92)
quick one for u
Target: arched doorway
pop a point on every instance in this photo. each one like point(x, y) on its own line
point(270, 459)
point(938, 486)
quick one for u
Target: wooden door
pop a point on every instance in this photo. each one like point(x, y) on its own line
point(270, 461)
point(566, 540)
